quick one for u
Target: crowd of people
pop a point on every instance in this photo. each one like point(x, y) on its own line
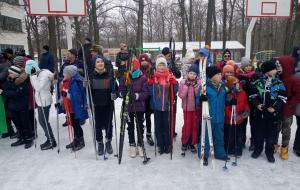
point(266, 96)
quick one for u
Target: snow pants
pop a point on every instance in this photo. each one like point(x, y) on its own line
point(162, 129)
point(103, 117)
point(44, 122)
point(139, 127)
point(233, 138)
point(265, 132)
point(190, 129)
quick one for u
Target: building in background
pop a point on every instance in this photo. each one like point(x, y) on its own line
point(12, 25)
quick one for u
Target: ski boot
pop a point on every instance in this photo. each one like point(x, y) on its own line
point(108, 147)
point(48, 145)
point(255, 154)
point(100, 148)
point(271, 158)
point(149, 139)
point(140, 151)
point(132, 150)
point(69, 146)
point(193, 149)
point(284, 153)
point(28, 143)
point(19, 142)
point(205, 161)
point(251, 147)
point(78, 144)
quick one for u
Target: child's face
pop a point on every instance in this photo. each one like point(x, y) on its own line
point(66, 76)
point(272, 73)
point(161, 67)
point(217, 77)
point(99, 64)
point(248, 69)
point(12, 75)
point(227, 74)
point(192, 75)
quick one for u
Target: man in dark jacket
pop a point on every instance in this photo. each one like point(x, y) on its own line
point(122, 60)
point(47, 59)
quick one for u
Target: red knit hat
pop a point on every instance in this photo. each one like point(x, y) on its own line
point(144, 57)
point(227, 69)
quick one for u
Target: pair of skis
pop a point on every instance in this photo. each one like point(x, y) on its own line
point(206, 119)
point(125, 114)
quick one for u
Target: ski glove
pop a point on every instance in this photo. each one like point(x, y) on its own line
point(113, 96)
point(134, 96)
point(203, 98)
point(233, 102)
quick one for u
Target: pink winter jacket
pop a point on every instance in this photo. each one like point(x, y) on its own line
point(188, 94)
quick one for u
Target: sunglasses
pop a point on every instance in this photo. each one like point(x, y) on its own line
point(227, 56)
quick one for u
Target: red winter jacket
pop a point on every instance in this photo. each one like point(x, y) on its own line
point(292, 85)
point(242, 108)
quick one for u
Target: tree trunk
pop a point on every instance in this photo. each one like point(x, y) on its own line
point(52, 37)
point(139, 36)
point(190, 21)
point(211, 4)
point(36, 35)
point(224, 24)
point(215, 24)
point(95, 22)
point(183, 35)
point(29, 40)
point(77, 31)
point(232, 5)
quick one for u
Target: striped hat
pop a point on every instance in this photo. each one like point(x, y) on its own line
point(19, 60)
point(15, 70)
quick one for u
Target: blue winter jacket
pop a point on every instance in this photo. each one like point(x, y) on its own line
point(216, 101)
point(47, 62)
point(160, 99)
point(78, 98)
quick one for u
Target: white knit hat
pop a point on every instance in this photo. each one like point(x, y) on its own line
point(161, 60)
point(190, 55)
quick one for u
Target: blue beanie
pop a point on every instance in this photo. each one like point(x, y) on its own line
point(30, 64)
point(204, 51)
point(194, 68)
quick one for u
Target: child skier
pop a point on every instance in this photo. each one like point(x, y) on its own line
point(41, 81)
point(75, 104)
point(103, 92)
point(233, 131)
point(159, 89)
point(215, 95)
point(292, 84)
point(189, 60)
point(16, 94)
point(188, 89)
point(268, 97)
point(147, 70)
point(136, 107)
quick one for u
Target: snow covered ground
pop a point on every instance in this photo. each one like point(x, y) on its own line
point(34, 169)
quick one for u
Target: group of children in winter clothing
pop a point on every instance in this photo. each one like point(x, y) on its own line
point(268, 96)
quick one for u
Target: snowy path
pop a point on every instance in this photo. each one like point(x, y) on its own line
point(33, 169)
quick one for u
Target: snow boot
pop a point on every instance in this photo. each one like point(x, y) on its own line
point(28, 143)
point(251, 147)
point(65, 124)
point(100, 148)
point(284, 153)
point(271, 158)
point(276, 147)
point(78, 144)
point(205, 162)
point(108, 147)
point(140, 151)
point(48, 145)
point(150, 139)
point(19, 142)
point(132, 151)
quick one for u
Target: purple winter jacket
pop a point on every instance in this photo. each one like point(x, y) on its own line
point(138, 85)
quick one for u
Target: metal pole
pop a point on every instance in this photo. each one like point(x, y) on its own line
point(249, 37)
